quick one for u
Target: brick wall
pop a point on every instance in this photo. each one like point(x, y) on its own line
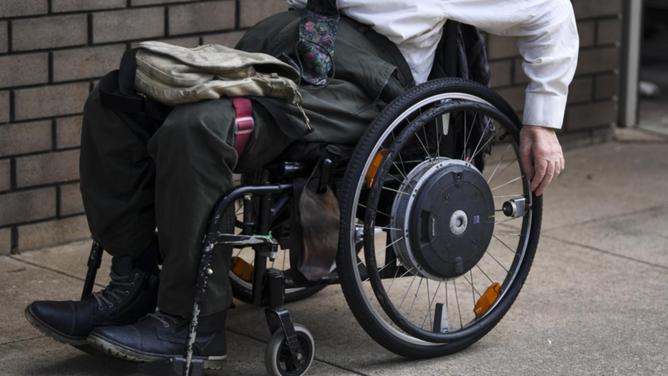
point(592, 109)
point(51, 54)
point(53, 51)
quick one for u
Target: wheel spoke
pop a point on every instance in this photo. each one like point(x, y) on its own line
point(497, 261)
point(475, 150)
point(507, 183)
point(461, 323)
point(483, 272)
point(395, 278)
point(407, 290)
point(505, 167)
point(394, 190)
point(491, 176)
point(504, 243)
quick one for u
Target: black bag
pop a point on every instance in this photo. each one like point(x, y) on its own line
point(462, 53)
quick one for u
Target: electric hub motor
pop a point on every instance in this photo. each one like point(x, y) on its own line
point(443, 218)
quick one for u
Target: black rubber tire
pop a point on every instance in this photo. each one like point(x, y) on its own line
point(345, 260)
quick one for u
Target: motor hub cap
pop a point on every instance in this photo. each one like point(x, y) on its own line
point(443, 219)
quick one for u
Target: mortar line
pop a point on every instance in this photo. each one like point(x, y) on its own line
point(57, 271)
point(250, 336)
point(606, 252)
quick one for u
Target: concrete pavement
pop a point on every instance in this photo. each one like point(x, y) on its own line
point(595, 302)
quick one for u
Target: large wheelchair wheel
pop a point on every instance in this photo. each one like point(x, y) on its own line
point(447, 236)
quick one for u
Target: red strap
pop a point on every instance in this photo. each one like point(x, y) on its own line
point(244, 122)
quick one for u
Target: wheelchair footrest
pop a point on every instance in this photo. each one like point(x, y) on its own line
point(243, 241)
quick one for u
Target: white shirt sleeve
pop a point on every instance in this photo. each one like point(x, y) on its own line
point(545, 31)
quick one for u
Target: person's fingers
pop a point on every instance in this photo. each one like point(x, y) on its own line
point(558, 168)
point(525, 157)
point(547, 179)
point(563, 163)
point(540, 166)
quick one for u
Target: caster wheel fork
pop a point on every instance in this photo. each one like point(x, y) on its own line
point(291, 348)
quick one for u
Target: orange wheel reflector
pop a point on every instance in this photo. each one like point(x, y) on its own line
point(373, 169)
point(242, 269)
point(487, 299)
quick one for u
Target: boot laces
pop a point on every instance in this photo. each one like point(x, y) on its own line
point(119, 285)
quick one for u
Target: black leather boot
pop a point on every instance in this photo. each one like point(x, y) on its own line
point(131, 294)
point(160, 336)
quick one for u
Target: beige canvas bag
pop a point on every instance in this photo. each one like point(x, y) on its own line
point(176, 75)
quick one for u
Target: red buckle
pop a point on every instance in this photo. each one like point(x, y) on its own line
point(244, 122)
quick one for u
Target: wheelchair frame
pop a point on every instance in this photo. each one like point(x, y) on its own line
point(268, 285)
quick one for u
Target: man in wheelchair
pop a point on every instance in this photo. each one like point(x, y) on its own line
point(140, 171)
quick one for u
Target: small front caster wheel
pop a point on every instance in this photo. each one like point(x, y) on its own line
point(278, 359)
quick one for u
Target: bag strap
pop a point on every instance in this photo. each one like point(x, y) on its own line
point(244, 122)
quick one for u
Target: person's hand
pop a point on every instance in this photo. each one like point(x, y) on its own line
point(541, 156)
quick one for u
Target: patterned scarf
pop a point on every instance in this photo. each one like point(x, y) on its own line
point(317, 39)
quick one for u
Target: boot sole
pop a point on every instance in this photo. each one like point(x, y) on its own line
point(53, 333)
point(119, 351)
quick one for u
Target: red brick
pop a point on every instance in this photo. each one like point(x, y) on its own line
point(596, 8)
point(501, 72)
point(88, 62)
point(49, 101)
point(49, 32)
point(586, 31)
point(501, 47)
point(60, 166)
point(590, 115)
point(200, 17)
point(68, 132)
point(24, 69)
point(4, 106)
point(70, 200)
point(25, 206)
point(598, 60)
point(13, 8)
point(79, 5)
point(514, 96)
point(607, 86)
point(5, 175)
point(59, 231)
point(609, 31)
point(580, 90)
point(4, 38)
point(128, 24)
point(254, 11)
point(21, 138)
point(5, 241)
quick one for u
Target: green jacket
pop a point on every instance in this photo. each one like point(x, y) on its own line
point(369, 72)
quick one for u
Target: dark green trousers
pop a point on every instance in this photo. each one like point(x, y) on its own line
point(136, 178)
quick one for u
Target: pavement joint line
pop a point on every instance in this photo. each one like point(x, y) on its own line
point(18, 340)
point(606, 252)
point(606, 218)
point(57, 271)
point(330, 363)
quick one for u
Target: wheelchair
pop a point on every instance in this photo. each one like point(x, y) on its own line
point(438, 230)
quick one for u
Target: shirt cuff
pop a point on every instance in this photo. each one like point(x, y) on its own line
point(545, 110)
